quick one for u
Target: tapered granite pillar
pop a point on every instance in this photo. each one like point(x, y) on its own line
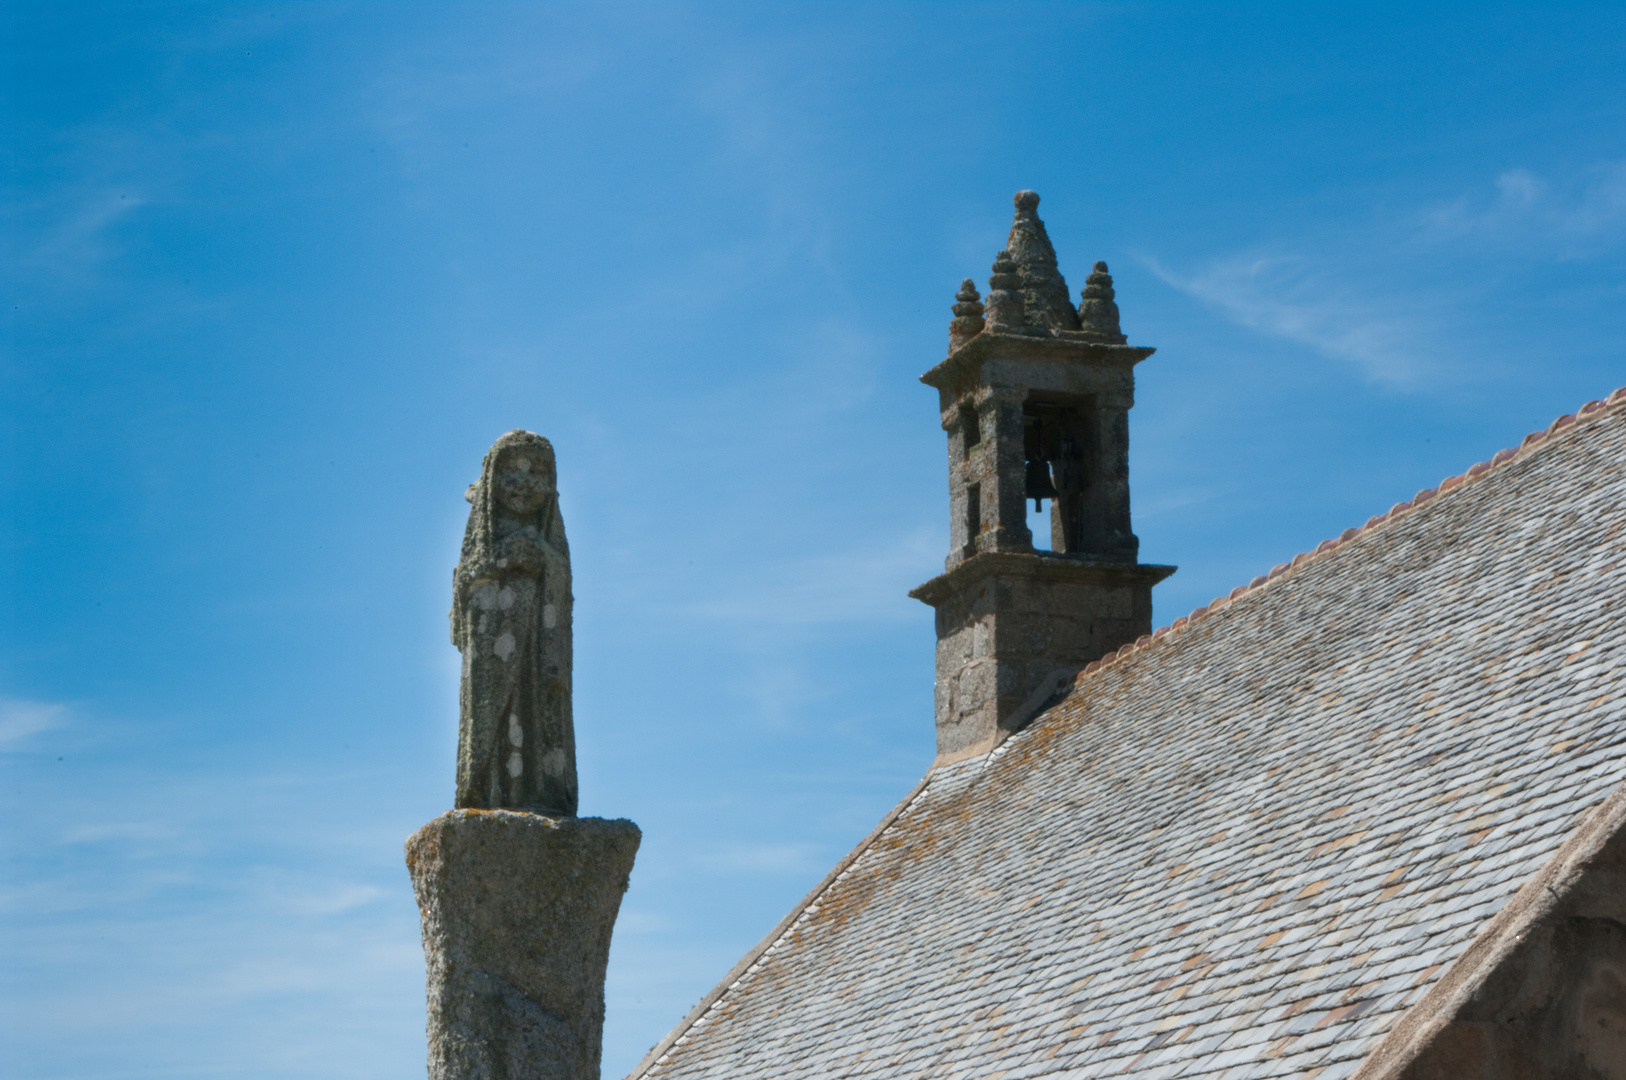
point(518, 895)
point(517, 913)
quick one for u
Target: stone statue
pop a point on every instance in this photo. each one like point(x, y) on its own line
point(517, 894)
point(516, 746)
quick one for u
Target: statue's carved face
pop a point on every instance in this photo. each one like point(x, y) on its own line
point(523, 482)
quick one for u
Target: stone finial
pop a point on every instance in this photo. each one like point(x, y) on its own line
point(1099, 312)
point(1005, 311)
point(968, 321)
point(1045, 307)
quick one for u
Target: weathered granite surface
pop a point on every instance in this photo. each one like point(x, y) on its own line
point(511, 611)
point(517, 913)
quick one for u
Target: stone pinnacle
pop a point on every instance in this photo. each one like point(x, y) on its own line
point(1098, 314)
point(968, 315)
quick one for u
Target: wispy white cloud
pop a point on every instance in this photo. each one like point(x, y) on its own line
point(21, 719)
point(1527, 208)
point(1402, 296)
point(165, 904)
point(80, 238)
point(1293, 298)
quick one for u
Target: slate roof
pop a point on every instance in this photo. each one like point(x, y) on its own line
point(1243, 847)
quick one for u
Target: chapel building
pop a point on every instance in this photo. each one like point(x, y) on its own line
point(1362, 817)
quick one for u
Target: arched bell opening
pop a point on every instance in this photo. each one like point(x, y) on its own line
point(1056, 437)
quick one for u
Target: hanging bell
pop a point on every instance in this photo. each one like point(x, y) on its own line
point(1038, 485)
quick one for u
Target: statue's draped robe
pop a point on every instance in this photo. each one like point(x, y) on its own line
point(511, 619)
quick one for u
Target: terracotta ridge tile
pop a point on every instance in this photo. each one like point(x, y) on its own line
point(1590, 411)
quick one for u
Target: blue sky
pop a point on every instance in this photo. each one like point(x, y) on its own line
point(278, 274)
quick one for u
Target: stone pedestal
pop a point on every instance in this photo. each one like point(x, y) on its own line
point(517, 913)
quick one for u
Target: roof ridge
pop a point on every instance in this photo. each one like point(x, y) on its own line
point(1590, 411)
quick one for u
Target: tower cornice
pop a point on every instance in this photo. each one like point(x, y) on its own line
point(959, 371)
point(1037, 566)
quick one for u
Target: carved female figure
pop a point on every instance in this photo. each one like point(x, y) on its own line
point(516, 745)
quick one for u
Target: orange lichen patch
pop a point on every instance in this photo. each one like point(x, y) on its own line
point(1267, 901)
point(1361, 990)
point(1296, 1008)
point(1313, 888)
point(1181, 991)
point(1396, 875)
point(1342, 841)
point(1140, 952)
point(1339, 811)
point(1426, 974)
point(1271, 939)
point(1278, 1047)
point(1342, 1012)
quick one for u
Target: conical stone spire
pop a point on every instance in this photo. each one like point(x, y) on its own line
point(1043, 305)
point(968, 321)
point(1099, 312)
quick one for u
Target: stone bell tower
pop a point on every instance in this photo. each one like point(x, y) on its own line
point(1035, 396)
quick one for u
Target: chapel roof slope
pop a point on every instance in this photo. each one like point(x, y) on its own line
point(1248, 845)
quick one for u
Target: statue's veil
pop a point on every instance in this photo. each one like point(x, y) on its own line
point(480, 535)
